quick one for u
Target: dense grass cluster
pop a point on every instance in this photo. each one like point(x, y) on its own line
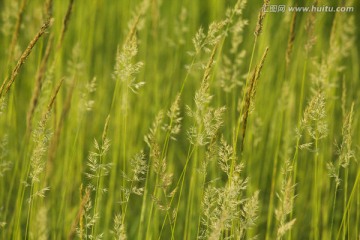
point(187, 119)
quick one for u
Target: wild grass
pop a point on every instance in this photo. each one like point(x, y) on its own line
point(178, 120)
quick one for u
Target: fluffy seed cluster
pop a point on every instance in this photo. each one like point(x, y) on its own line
point(286, 200)
point(139, 168)
point(119, 228)
point(261, 16)
point(314, 120)
point(345, 150)
point(221, 209)
point(174, 125)
point(207, 120)
point(230, 75)
point(205, 41)
point(125, 68)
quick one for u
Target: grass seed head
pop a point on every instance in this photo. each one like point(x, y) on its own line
point(119, 228)
point(261, 16)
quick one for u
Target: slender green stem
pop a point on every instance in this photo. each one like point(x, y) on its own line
point(345, 213)
point(333, 209)
point(273, 179)
point(295, 157)
point(124, 140)
point(177, 186)
point(182, 180)
point(353, 192)
point(193, 183)
point(316, 188)
point(28, 219)
point(115, 159)
point(143, 205)
point(201, 197)
point(97, 189)
point(150, 217)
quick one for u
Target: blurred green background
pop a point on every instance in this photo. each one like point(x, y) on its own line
point(96, 30)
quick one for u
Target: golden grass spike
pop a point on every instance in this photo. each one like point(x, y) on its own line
point(261, 17)
point(258, 71)
point(55, 139)
point(84, 199)
point(48, 10)
point(51, 103)
point(23, 57)
point(250, 95)
point(139, 13)
point(209, 65)
point(262, 62)
point(39, 82)
point(65, 23)
point(310, 28)
point(291, 40)
point(16, 30)
point(246, 106)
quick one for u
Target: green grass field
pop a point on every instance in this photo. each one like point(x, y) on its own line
point(179, 119)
